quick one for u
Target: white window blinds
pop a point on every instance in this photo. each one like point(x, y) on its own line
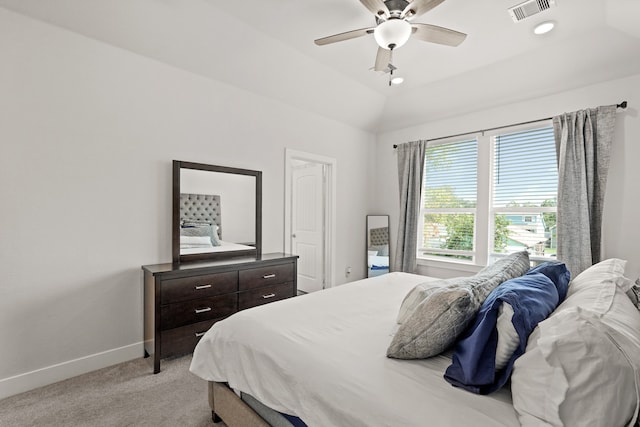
point(525, 169)
point(450, 193)
point(451, 175)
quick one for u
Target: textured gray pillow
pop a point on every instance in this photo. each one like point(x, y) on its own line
point(436, 322)
point(419, 293)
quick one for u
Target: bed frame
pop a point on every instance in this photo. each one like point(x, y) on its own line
point(228, 407)
point(379, 236)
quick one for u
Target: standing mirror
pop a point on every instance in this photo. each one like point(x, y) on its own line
point(377, 245)
point(217, 212)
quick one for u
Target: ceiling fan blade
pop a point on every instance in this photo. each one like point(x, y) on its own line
point(377, 7)
point(343, 36)
point(418, 7)
point(383, 59)
point(439, 35)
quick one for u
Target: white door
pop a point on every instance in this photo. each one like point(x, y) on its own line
point(308, 223)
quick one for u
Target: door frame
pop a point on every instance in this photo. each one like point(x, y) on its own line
point(329, 233)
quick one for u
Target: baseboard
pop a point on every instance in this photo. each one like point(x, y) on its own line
point(62, 371)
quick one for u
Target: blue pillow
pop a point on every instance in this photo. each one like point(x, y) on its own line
point(533, 297)
point(558, 273)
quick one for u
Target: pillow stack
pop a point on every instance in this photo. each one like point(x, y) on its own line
point(484, 356)
point(432, 316)
point(195, 234)
point(581, 364)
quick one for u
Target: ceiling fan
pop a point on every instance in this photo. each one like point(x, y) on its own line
point(394, 27)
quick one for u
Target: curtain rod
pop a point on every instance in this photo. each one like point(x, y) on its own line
point(622, 105)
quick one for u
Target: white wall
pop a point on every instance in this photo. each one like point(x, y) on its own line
point(88, 132)
point(621, 233)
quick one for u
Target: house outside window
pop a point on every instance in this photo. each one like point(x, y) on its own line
point(485, 196)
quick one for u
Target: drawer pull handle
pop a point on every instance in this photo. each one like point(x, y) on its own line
point(199, 334)
point(202, 287)
point(268, 276)
point(202, 310)
point(268, 296)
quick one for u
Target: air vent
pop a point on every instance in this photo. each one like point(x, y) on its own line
point(529, 8)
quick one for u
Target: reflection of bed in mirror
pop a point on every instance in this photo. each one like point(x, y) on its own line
point(377, 245)
point(201, 225)
point(377, 264)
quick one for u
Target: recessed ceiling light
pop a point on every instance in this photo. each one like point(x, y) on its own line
point(544, 27)
point(397, 80)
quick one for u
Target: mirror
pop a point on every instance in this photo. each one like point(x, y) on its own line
point(217, 212)
point(377, 245)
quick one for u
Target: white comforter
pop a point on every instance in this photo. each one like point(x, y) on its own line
point(322, 357)
point(379, 261)
point(224, 247)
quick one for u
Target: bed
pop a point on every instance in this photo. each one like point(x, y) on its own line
point(321, 360)
point(201, 225)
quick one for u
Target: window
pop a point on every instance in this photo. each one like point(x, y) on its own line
point(490, 195)
point(449, 194)
point(525, 192)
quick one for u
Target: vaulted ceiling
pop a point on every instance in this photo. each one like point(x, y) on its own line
point(266, 47)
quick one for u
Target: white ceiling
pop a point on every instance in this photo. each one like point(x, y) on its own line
point(266, 47)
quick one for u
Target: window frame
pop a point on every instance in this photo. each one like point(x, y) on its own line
point(424, 211)
point(483, 249)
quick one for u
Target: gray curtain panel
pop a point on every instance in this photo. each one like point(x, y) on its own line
point(583, 142)
point(410, 169)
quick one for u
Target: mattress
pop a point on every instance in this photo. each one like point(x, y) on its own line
point(322, 357)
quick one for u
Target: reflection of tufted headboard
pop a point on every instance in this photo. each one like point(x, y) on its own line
point(379, 236)
point(201, 207)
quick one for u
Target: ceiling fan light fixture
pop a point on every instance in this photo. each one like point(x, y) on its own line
point(397, 80)
point(393, 33)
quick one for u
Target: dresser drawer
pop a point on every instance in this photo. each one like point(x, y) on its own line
point(193, 287)
point(263, 276)
point(264, 295)
point(193, 311)
point(183, 340)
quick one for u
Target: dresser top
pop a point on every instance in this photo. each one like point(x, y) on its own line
point(159, 269)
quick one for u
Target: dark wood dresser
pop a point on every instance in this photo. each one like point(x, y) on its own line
point(181, 302)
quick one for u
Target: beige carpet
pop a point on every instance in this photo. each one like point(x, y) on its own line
point(128, 394)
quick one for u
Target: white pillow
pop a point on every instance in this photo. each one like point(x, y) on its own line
point(574, 373)
point(581, 364)
point(508, 338)
point(611, 269)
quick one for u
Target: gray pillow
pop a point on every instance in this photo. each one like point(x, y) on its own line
point(202, 231)
point(436, 322)
point(419, 293)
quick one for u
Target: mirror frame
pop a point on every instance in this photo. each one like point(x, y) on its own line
point(175, 213)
